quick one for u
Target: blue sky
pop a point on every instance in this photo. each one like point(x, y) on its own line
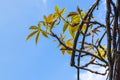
point(24, 60)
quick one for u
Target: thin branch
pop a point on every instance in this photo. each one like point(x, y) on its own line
point(92, 70)
point(98, 23)
point(79, 29)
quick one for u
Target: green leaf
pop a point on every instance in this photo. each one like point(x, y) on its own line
point(44, 33)
point(65, 27)
point(31, 34)
point(33, 27)
point(37, 37)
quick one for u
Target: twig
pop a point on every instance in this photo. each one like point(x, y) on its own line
point(79, 29)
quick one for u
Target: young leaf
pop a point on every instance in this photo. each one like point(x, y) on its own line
point(69, 52)
point(69, 42)
point(50, 18)
point(39, 25)
point(58, 45)
point(63, 51)
point(65, 27)
point(72, 14)
point(45, 18)
point(33, 27)
point(44, 33)
point(42, 22)
point(83, 15)
point(62, 10)
point(37, 37)
point(31, 34)
point(101, 53)
point(75, 19)
point(84, 27)
point(57, 8)
point(71, 31)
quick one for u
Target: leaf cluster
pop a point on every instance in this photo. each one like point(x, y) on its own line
point(80, 36)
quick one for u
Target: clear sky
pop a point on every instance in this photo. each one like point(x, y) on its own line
point(24, 60)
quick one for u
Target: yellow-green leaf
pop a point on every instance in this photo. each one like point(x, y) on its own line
point(69, 52)
point(71, 31)
point(37, 37)
point(49, 19)
point(44, 34)
point(33, 27)
point(83, 15)
point(55, 15)
point(31, 34)
point(39, 25)
point(101, 53)
point(84, 27)
point(42, 22)
point(57, 8)
point(58, 45)
point(63, 51)
point(69, 42)
point(62, 10)
point(65, 27)
point(45, 18)
point(75, 19)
